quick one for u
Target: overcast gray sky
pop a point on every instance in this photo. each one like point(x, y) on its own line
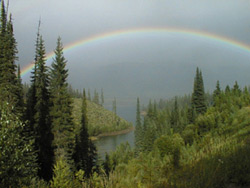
point(145, 65)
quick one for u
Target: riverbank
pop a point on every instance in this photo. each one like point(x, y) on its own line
point(112, 133)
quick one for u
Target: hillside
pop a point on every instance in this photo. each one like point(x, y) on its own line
point(211, 152)
point(100, 120)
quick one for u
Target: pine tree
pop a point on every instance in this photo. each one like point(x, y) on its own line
point(41, 122)
point(20, 93)
point(85, 151)
point(175, 119)
point(150, 113)
point(31, 94)
point(61, 104)
point(138, 128)
point(198, 97)
point(102, 97)
point(96, 97)
point(217, 91)
point(8, 56)
point(114, 111)
point(236, 89)
point(63, 176)
point(89, 95)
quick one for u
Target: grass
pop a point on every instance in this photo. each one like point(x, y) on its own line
point(100, 120)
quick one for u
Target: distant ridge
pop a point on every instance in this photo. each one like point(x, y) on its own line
point(100, 120)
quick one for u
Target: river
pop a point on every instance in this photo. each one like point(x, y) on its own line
point(109, 143)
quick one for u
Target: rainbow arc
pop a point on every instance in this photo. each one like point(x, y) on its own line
point(119, 33)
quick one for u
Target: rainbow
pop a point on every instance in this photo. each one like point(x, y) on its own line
point(119, 33)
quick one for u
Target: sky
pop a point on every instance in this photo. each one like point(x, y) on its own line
point(143, 64)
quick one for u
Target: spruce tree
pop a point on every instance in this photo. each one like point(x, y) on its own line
point(217, 91)
point(42, 121)
point(236, 89)
point(138, 128)
point(89, 95)
point(198, 97)
point(8, 56)
point(20, 93)
point(96, 97)
point(31, 94)
point(102, 97)
point(175, 119)
point(85, 151)
point(61, 104)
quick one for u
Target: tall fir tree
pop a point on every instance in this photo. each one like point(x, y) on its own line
point(216, 92)
point(85, 151)
point(41, 120)
point(61, 104)
point(31, 94)
point(138, 128)
point(8, 56)
point(198, 101)
point(175, 119)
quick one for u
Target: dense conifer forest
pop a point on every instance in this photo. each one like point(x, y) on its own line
point(198, 140)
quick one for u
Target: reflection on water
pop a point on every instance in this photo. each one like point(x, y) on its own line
point(109, 143)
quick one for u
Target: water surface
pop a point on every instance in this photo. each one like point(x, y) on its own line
point(109, 143)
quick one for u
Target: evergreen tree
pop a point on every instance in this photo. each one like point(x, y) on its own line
point(198, 96)
point(236, 89)
point(85, 151)
point(20, 93)
point(102, 97)
point(96, 97)
point(61, 104)
point(89, 95)
point(138, 128)
point(63, 176)
point(175, 119)
point(31, 94)
point(41, 120)
point(217, 91)
point(150, 113)
point(8, 56)
point(114, 110)
point(227, 89)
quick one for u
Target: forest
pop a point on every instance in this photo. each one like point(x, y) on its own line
point(198, 140)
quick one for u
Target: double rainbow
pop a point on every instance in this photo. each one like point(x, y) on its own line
point(119, 33)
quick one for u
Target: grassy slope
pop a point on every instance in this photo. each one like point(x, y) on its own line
point(100, 120)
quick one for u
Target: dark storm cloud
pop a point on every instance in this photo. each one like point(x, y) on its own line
point(150, 66)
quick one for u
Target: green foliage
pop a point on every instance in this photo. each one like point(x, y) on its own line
point(38, 113)
point(100, 120)
point(9, 88)
point(138, 129)
point(169, 144)
point(121, 155)
point(63, 176)
point(61, 104)
point(85, 151)
point(198, 96)
point(17, 157)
